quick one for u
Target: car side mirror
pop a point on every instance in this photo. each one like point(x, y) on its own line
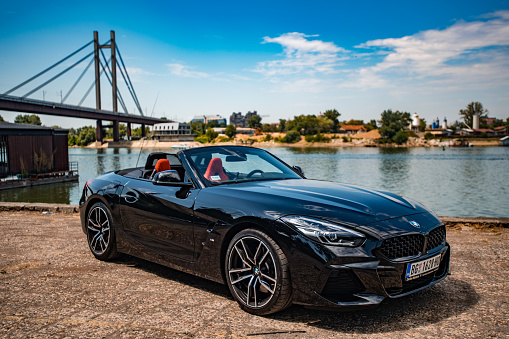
point(299, 171)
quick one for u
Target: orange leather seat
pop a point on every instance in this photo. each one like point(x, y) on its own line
point(162, 165)
point(215, 169)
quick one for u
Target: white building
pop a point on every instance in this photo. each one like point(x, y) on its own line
point(172, 131)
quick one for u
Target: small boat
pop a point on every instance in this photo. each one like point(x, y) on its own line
point(180, 147)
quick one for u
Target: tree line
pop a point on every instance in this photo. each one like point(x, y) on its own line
point(394, 126)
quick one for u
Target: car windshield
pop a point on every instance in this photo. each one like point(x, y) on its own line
point(220, 165)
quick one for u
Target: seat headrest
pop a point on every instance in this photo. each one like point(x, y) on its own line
point(162, 165)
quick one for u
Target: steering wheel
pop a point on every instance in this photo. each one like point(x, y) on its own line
point(253, 172)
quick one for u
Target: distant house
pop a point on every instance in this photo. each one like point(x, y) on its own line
point(239, 130)
point(480, 131)
point(207, 118)
point(352, 129)
point(502, 130)
point(172, 131)
point(239, 120)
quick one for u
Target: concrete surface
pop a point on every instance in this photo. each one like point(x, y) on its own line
point(52, 286)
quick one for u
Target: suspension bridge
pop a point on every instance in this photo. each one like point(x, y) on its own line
point(24, 103)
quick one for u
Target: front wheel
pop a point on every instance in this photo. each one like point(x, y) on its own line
point(257, 273)
point(101, 232)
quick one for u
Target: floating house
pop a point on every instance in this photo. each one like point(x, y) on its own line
point(34, 152)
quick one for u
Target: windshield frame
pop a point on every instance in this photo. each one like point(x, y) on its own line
point(186, 154)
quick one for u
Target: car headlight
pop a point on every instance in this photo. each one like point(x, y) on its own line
point(324, 231)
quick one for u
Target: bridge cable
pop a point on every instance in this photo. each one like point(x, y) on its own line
point(47, 69)
point(90, 89)
point(129, 88)
point(58, 75)
point(128, 81)
point(119, 97)
point(77, 81)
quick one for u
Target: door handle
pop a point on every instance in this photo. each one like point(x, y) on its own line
point(131, 197)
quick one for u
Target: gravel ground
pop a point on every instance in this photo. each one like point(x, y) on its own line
point(51, 286)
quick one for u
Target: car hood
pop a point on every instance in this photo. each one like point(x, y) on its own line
point(355, 206)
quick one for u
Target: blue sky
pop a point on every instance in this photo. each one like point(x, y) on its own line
point(281, 58)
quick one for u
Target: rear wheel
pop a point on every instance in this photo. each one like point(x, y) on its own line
point(257, 273)
point(101, 232)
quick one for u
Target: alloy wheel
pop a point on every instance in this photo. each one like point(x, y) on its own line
point(252, 272)
point(98, 225)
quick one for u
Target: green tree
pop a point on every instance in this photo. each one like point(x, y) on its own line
point(254, 121)
point(212, 124)
point(29, 119)
point(422, 125)
point(310, 124)
point(333, 115)
point(354, 122)
point(230, 131)
point(198, 127)
point(291, 137)
point(282, 125)
point(371, 125)
point(468, 113)
point(393, 122)
point(136, 132)
point(400, 137)
point(122, 130)
point(211, 134)
point(83, 136)
point(267, 128)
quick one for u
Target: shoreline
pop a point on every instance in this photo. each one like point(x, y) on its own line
point(334, 143)
point(454, 222)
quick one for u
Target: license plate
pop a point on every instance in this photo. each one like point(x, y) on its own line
point(418, 269)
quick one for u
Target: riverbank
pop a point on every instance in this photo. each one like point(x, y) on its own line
point(52, 286)
point(256, 141)
point(452, 222)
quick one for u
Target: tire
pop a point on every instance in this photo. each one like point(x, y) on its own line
point(258, 273)
point(101, 232)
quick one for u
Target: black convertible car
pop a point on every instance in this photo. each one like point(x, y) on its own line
point(240, 215)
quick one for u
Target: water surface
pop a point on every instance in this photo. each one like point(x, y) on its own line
point(455, 182)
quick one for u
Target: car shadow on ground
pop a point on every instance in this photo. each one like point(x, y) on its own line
point(446, 299)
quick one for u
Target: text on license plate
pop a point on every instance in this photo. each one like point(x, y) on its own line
point(417, 269)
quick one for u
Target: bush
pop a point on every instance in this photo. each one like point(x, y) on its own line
point(345, 139)
point(230, 131)
point(223, 139)
point(291, 137)
point(428, 136)
point(484, 135)
point(268, 137)
point(202, 139)
point(317, 138)
point(211, 135)
point(400, 137)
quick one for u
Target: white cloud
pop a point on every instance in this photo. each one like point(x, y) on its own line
point(466, 52)
point(302, 55)
point(185, 71)
point(133, 71)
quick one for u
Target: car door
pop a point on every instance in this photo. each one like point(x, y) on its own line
point(159, 217)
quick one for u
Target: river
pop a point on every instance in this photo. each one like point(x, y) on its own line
point(453, 182)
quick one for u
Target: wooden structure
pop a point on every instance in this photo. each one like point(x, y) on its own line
point(30, 149)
